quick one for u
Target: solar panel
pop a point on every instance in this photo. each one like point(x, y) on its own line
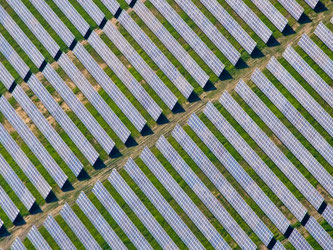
point(221, 183)
point(16, 184)
point(95, 99)
point(271, 150)
point(99, 222)
point(131, 83)
point(316, 54)
point(24, 163)
point(37, 239)
point(178, 194)
point(42, 124)
point(33, 143)
point(268, 9)
point(210, 30)
point(59, 236)
point(17, 245)
point(78, 228)
point(141, 211)
point(312, 3)
point(305, 70)
point(230, 24)
point(293, 7)
point(253, 159)
point(156, 54)
point(116, 95)
point(286, 137)
point(8, 205)
point(171, 43)
point(189, 35)
point(250, 19)
point(309, 103)
point(50, 104)
point(199, 188)
point(120, 217)
point(162, 205)
point(135, 59)
point(80, 111)
point(325, 35)
point(233, 167)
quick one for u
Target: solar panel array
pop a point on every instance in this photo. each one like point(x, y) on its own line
point(222, 181)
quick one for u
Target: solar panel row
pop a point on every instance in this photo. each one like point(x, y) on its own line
point(17, 245)
point(316, 54)
point(8, 205)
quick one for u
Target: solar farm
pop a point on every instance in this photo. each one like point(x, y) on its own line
point(166, 124)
